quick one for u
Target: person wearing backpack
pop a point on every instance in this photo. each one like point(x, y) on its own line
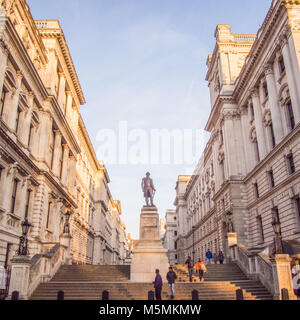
point(190, 264)
point(200, 268)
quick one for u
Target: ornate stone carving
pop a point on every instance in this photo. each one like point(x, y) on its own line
point(267, 119)
point(253, 136)
point(254, 93)
point(268, 69)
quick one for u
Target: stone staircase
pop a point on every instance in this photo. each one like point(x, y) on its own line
point(88, 283)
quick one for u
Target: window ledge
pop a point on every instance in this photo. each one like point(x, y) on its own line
point(297, 231)
point(14, 216)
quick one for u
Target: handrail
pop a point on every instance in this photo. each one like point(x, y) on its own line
point(44, 266)
point(255, 265)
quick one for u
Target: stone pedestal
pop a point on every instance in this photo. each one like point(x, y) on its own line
point(65, 241)
point(232, 239)
point(149, 253)
point(282, 275)
point(20, 273)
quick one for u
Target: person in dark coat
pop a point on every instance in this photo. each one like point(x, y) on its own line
point(221, 257)
point(208, 256)
point(158, 285)
point(171, 277)
point(190, 264)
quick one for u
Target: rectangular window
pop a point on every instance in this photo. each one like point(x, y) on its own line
point(290, 114)
point(61, 161)
point(297, 204)
point(252, 111)
point(175, 233)
point(30, 136)
point(281, 65)
point(14, 195)
point(291, 164)
point(2, 100)
point(272, 136)
point(17, 123)
point(256, 191)
point(260, 229)
point(49, 215)
point(265, 88)
point(28, 195)
point(271, 178)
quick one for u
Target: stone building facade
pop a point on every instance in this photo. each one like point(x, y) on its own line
point(250, 169)
point(170, 236)
point(48, 166)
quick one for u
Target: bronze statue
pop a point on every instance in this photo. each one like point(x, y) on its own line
point(148, 189)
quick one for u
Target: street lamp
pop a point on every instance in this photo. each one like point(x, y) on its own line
point(278, 247)
point(67, 225)
point(23, 244)
point(193, 243)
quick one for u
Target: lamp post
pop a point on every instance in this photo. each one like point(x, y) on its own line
point(278, 247)
point(193, 228)
point(23, 244)
point(67, 225)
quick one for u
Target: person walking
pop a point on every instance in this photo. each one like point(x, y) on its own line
point(171, 277)
point(190, 264)
point(200, 268)
point(208, 256)
point(158, 285)
point(221, 257)
point(215, 258)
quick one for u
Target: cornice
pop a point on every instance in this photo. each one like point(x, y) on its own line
point(215, 112)
point(88, 142)
point(59, 35)
point(266, 30)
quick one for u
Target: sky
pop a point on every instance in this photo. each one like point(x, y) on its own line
point(143, 62)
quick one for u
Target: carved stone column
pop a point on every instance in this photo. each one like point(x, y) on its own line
point(274, 104)
point(43, 138)
point(10, 112)
point(259, 124)
point(66, 153)
point(69, 106)
point(61, 90)
point(50, 79)
point(3, 62)
point(293, 85)
point(248, 150)
point(57, 152)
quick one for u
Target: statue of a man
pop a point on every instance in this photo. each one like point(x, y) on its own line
point(148, 189)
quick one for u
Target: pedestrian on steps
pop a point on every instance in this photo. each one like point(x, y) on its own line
point(158, 285)
point(215, 258)
point(221, 257)
point(201, 269)
point(190, 264)
point(171, 277)
point(208, 256)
